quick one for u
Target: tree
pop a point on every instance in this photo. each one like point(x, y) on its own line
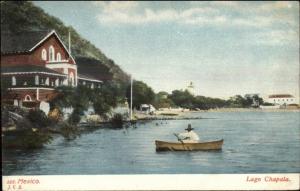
point(38, 119)
point(258, 100)
point(163, 103)
point(141, 94)
point(162, 94)
point(161, 100)
point(81, 97)
point(205, 103)
point(108, 97)
point(237, 101)
point(113, 93)
point(201, 103)
point(248, 101)
point(5, 84)
point(64, 97)
point(182, 98)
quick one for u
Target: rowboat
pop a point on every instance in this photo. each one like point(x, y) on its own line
point(181, 146)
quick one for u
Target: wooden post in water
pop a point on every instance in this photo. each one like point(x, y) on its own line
point(131, 82)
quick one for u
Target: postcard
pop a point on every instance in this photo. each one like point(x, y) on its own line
point(149, 95)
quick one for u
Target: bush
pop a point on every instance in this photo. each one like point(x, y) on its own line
point(4, 117)
point(75, 117)
point(36, 139)
point(69, 132)
point(27, 138)
point(267, 104)
point(38, 118)
point(117, 120)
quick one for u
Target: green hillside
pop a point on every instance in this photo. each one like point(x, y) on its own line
point(24, 16)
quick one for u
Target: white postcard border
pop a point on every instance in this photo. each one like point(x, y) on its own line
point(288, 181)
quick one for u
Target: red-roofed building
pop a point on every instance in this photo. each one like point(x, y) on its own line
point(282, 99)
point(33, 64)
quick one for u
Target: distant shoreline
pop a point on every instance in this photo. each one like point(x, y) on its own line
point(181, 115)
point(249, 110)
point(229, 110)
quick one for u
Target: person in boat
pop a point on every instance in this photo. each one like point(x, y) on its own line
point(189, 136)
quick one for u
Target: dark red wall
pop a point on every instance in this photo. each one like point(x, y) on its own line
point(44, 94)
point(35, 57)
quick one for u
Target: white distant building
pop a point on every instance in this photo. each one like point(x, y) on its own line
point(147, 108)
point(281, 99)
point(191, 88)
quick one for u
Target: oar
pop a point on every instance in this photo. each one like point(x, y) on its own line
point(177, 136)
point(179, 140)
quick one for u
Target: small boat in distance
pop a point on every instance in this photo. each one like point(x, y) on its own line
point(181, 146)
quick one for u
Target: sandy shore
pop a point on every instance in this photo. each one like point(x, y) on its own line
point(180, 115)
point(177, 115)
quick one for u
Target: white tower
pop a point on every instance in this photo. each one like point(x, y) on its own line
point(190, 88)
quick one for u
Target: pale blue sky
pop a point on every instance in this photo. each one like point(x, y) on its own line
point(225, 48)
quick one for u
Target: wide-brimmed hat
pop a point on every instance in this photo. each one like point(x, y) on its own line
point(189, 127)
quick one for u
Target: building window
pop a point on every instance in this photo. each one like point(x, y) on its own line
point(13, 81)
point(92, 86)
point(83, 82)
point(36, 80)
point(44, 54)
point(47, 81)
point(27, 98)
point(57, 82)
point(58, 57)
point(16, 103)
point(71, 79)
point(51, 53)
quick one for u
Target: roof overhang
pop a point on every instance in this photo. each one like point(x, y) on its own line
point(281, 96)
point(89, 79)
point(46, 73)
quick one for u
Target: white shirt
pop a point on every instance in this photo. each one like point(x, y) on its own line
point(190, 137)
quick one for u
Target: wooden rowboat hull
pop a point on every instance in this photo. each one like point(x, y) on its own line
point(178, 146)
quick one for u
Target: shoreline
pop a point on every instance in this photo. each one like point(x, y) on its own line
point(229, 110)
point(181, 115)
point(250, 110)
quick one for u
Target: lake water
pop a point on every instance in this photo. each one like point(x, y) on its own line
point(254, 142)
